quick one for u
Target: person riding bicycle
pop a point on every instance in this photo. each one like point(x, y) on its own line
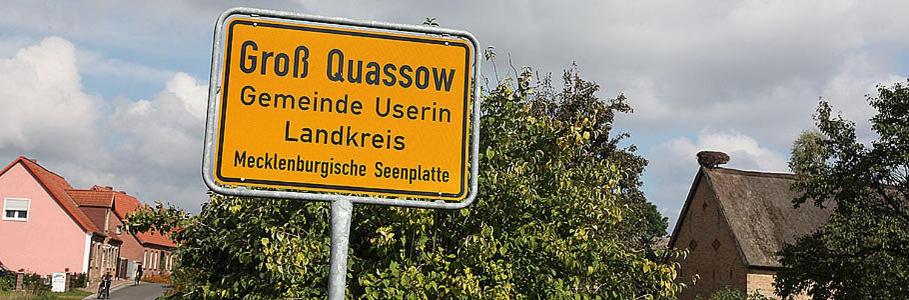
point(104, 286)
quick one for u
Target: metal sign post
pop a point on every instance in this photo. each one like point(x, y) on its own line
point(341, 213)
point(329, 109)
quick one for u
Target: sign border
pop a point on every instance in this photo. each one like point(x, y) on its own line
point(215, 87)
point(225, 84)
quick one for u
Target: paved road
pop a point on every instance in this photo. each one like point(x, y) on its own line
point(143, 291)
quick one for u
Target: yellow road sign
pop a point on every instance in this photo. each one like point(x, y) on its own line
point(316, 105)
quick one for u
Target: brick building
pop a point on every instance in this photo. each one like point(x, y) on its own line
point(98, 211)
point(733, 223)
point(150, 250)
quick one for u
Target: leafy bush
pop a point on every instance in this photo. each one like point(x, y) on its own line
point(733, 294)
point(78, 280)
point(161, 278)
point(7, 282)
point(35, 284)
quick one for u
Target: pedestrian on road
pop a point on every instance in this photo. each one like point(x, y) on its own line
point(138, 274)
point(104, 286)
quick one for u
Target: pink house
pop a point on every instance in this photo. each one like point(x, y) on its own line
point(42, 229)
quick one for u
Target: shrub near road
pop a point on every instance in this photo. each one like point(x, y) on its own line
point(559, 214)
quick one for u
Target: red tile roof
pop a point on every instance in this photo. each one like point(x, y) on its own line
point(123, 204)
point(153, 237)
point(91, 198)
point(56, 186)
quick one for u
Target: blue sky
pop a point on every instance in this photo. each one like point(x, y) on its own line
point(113, 95)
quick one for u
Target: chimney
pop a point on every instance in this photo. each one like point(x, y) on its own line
point(712, 159)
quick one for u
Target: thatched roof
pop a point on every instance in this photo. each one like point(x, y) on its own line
point(758, 208)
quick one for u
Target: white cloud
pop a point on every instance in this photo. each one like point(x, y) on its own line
point(150, 148)
point(166, 130)
point(9, 45)
point(45, 110)
point(160, 143)
point(193, 95)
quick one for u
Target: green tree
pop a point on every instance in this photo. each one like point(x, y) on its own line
point(559, 214)
point(862, 252)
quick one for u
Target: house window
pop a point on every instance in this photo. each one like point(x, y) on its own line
point(119, 229)
point(15, 209)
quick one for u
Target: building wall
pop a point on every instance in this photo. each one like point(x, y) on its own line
point(96, 215)
point(716, 267)
point(762, 282)
point(50, 241)
point(158, 260)
point(104, 258)
point(131, 249)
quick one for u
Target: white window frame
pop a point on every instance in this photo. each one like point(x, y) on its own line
point(28, 209)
